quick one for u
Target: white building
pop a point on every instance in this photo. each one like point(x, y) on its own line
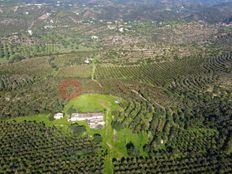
point(48, 27)
point(121, 30)
point(58, 116)
point(88, 60)
point(94, 37)
point(94, 120)
point(30, 32)
point(117, 101)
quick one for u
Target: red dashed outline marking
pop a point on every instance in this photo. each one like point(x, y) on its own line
point(64, 84)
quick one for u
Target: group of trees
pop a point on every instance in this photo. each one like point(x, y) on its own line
point(39, 97)
point(154, 73)
point(180, 104)
point(213, 163)
point(78, 130)
point(15, 82)
point(16, 53)
point(183, 117)
point(201, 123)
point(27, 89)
point(30, 147)
point(194, 140)
point(220, 64)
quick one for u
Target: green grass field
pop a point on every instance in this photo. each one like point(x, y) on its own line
point(62, 124)
point(93, 103)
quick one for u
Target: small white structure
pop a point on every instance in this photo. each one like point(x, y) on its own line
point(30, 32)
point(88, 61)
point(121, 30)
point(39, 5)
point(48, 27)
point(94, 37)
point(117, 101)
point(58, 116)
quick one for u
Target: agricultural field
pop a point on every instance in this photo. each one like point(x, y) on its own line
point(160, 74)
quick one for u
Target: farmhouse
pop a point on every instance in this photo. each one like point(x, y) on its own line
point(30, 32)
point(87, 61)
point(94, 120)
point(117, 101)
point(94, 37)
point(121, 30)
point(58, 116)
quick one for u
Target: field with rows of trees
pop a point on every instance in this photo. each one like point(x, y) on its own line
point(160, 72)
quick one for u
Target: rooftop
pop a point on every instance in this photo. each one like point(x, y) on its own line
point(95, 119)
